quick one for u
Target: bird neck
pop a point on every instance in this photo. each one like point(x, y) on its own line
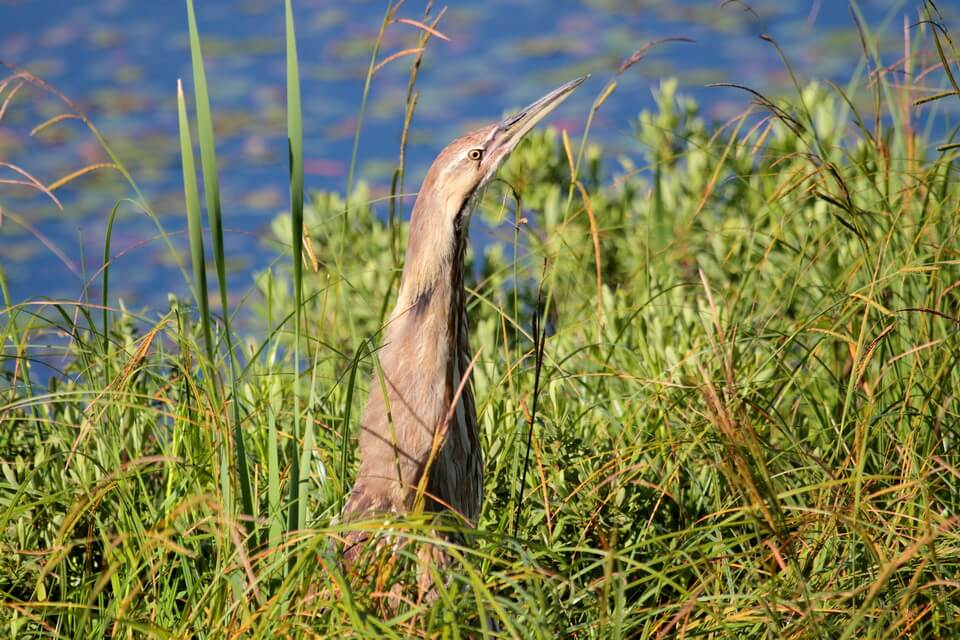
point(431, 288)
point(428, 328)
point(422, 365)
point(430, 304)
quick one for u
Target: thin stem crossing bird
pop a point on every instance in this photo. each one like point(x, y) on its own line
point(420, 423)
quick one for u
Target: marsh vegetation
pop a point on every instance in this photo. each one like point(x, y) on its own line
point(717, 385)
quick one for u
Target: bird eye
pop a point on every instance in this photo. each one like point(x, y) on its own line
point(475, 154)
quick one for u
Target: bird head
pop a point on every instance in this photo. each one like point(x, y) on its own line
point(470, 162)
point(455, 181)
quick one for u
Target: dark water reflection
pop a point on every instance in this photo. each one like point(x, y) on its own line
point(120, 59)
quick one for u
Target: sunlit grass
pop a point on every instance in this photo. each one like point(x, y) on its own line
point(737, 415)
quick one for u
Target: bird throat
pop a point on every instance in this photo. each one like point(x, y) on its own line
point(434, 321)
point(437, 310)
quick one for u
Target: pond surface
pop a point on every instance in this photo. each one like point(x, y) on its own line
point(119, 60)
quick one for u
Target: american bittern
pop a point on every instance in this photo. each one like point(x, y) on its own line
point(416, 433)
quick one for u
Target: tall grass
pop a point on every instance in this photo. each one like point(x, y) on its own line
point(208, 159)
point(299, 468)
point(737, 416)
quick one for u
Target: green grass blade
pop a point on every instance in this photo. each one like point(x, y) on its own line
point(211, 183)
point(274, 507)
point(105, 297)
point(3, 289)
point(194, 229)
point(208, 156)
point(298, 475)
point(345, 428)
point(195, 234)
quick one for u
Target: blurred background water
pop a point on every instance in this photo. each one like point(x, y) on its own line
point(119, 60)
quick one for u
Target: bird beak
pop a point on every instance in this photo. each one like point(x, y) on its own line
point(511, 130)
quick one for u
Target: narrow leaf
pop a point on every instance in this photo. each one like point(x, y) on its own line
point(211, 183)
point(194, 230)
point(299, 459)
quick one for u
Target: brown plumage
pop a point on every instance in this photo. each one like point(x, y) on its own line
point(422, 430)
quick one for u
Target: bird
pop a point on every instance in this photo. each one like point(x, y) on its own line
point(418, 431)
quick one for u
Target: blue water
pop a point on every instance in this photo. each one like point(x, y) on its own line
point(119, 60)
